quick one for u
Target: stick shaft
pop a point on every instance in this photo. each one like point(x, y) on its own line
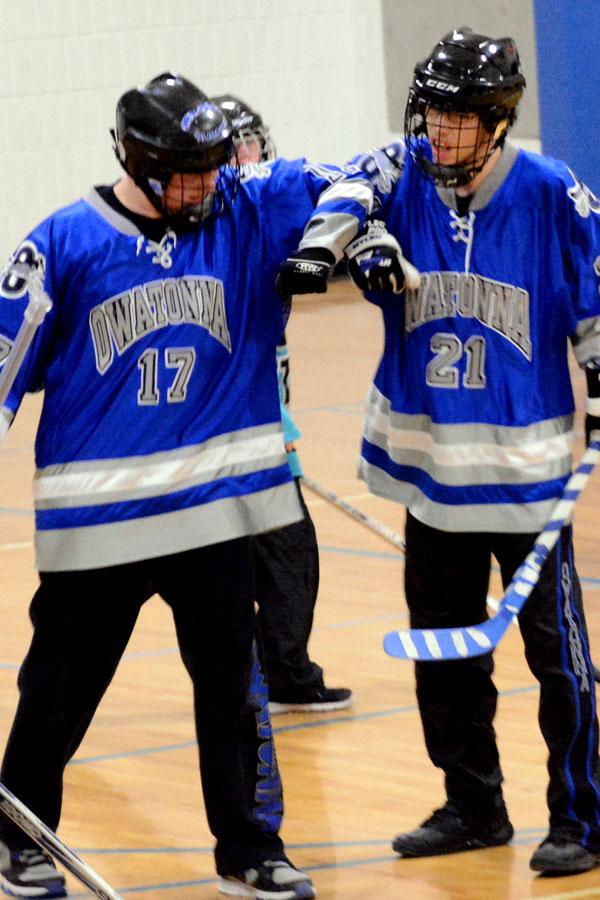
point(12, 807)
point(474, 640)
point(39, 304)
point(355, 513)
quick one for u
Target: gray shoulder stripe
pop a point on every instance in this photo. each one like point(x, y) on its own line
point(119, 222)
point(491, 184)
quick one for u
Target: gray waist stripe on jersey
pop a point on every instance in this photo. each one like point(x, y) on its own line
point(518, 518)
point(133, 478)
point(95, 546)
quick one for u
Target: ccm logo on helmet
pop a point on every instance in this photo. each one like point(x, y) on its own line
point(442, 86)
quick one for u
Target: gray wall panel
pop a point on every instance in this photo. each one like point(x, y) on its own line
point(411, 29)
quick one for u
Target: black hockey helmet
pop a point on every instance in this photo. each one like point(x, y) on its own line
point(170, 126)
point(466, 73)
point(248, 126)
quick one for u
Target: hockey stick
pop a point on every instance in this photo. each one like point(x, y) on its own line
point(48, 840)
point(475, 640)
point(37, 307)
point(355, 513)
point(380, 529)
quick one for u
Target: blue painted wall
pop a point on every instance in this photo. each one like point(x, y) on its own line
point(568, 63)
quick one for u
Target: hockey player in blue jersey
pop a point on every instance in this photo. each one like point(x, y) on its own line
point(470, 421)
point(286, 572)
point(159, 452)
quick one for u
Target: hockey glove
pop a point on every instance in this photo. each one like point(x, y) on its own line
point(592, 405)
point(306, 272)
point(375, 261)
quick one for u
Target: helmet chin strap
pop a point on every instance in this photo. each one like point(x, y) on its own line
point(150, 194)
point(500, 133)
point(446, 176)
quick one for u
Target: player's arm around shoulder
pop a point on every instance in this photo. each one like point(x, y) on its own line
point(338, 203)
point(383, 167)
point(376, 263)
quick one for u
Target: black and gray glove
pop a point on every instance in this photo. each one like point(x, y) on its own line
point(592, 404)
point(306, 272)
point(376, 263)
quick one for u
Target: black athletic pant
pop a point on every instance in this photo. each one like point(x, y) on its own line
point(446, 584)
point(286, 586)
point(82, 623)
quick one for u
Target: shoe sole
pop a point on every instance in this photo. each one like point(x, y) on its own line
point(277, 708)
point(407, 853)
point(234, 888)
point(573, 869)
point(8, 888)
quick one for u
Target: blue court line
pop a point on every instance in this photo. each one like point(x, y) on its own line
point(351, 551)
point(398, 556)
point(313, 845)
point(281, 729)
point(338, 408)
point(522, 836)
point(15, 511)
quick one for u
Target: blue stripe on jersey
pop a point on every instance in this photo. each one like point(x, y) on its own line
point(75, 517)
point(458, 495)
point(565, 627)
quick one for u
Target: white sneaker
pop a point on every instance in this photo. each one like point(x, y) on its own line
point(30, 873)
point(270, 880)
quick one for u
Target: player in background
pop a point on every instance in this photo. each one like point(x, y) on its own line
point(287, 559)
point(470, 422)
point(159, 453)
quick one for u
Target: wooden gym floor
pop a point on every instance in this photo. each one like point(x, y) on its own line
point(133, 806)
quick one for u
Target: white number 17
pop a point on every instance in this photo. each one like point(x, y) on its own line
point(180, 358)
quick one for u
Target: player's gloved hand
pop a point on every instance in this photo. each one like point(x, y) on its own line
point(375, 261)
point(592, 403)
point(306, 272)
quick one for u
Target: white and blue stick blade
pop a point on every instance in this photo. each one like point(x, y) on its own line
point(442, 644)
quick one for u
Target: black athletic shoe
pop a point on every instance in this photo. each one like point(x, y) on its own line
point(30, 873)
point(275, 879)
point(321, 699)
point(446, 832)
point(560, 855)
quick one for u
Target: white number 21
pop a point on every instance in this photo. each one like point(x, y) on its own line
point(443, 370)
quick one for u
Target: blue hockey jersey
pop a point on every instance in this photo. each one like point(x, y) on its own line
point(469, 420)
point(161, 428)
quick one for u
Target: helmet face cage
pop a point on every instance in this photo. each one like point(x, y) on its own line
point(254, 144)
point(153, 176)
point(464, 140)
point(217, 196)
point(461, 105)
point(252, 138)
